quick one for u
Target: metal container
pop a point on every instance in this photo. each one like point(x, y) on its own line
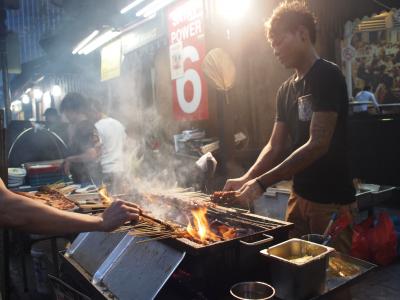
point(123, 268)
point(257, 233)
point(364, 200)
point(385, 193)
point(90, 249)
point(316, 238)
point(137, 270)
point(272, 204)
point(252, 290)
point(371, 195)
point(297, 280)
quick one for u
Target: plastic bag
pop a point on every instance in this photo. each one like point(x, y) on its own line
point(396, 223)
point(383, 241)
point(359, 245)
point(339, 225)
point(375, 241)
point(203, 164)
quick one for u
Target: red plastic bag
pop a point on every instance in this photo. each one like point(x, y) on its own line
point(383, 241)
point(359, 245)
point(375, 243)
point(339, 225)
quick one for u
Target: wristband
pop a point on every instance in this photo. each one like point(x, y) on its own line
point(263, 187)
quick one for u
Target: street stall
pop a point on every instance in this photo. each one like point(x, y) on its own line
point(187, 245)
point(183, 105)
point(182, 258)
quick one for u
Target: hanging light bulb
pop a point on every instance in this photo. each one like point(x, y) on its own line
point(25, 99)
point(16, 106)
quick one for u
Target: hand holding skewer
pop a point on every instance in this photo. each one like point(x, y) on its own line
point(118, 213)
point(250, 191)
point(235, 184)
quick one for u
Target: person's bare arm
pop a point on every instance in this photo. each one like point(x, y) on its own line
point(321, 131)
point(91, 154)
point(273, 152)
point(25, 214)
point(270, 156)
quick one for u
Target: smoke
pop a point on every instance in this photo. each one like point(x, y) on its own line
point(141, 98)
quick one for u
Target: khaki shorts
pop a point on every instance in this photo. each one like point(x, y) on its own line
point(310, 217)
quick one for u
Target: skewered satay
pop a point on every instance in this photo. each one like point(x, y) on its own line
point(223, 197)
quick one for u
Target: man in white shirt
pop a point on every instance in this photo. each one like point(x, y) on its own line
point(366, 96)
point(112, 138)
point(107, 139)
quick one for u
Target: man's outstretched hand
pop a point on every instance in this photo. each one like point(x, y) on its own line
point(118, 213)
point(235, 184)
point(249, 192)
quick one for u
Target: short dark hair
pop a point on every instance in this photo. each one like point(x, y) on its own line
point(288, 16)
point(51, 112)
point(75, 102)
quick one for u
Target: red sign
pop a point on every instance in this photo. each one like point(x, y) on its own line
point(187, 51)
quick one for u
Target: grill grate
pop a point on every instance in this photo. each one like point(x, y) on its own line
point(178, 210)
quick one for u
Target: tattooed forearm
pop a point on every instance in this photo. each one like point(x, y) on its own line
point(321, 131)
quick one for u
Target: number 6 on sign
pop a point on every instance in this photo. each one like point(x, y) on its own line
point(191, 75)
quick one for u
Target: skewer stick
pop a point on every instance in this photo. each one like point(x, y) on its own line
point(266, 226)
point(157, 238)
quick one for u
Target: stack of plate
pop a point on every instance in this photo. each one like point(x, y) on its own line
point(16, 176)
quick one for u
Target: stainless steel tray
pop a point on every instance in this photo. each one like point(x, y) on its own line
point(335, 283)
point(137, 270)
point(90, 249)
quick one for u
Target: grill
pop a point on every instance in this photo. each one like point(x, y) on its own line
point(213, 268)
point(249, 227)
point(248, 233)
point(160, 268)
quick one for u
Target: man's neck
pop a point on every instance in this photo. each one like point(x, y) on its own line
point(306, 63)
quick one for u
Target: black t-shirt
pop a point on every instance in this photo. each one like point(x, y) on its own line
point(323, 88)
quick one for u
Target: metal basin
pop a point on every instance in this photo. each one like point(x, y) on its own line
point(314, 238)
point(296, 278)
point(252, 290)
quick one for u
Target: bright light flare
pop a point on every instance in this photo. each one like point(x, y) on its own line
point(37, 94)
point(232, 10)
point(56, 91)
point(152, 8)
point(16, 106)
point(85, 41)
point(99, 41)
point(25, 99)
point(46, 100)
point(131, 6)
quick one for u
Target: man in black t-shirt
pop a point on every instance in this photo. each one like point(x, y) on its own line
point(311, 110)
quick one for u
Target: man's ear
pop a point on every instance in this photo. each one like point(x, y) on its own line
point(304, 34)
